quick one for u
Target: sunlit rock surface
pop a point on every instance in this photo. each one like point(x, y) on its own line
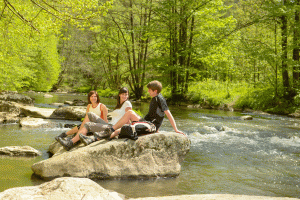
point(154, 155)
point(62, 189)
point(19, 151)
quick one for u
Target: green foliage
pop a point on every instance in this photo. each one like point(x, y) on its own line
point(83, 89)
point(108, 93)
point(138, 112)
point(216, 92)
point(263, 98)
point(28, 59)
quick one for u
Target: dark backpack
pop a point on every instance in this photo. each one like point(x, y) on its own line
point(137, 128)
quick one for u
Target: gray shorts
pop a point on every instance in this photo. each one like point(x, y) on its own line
point(96, 124)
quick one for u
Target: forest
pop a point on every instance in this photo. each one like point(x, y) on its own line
point(203, 51)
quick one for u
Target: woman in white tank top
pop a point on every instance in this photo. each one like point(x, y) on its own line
point(93, 106)
point(95, 123)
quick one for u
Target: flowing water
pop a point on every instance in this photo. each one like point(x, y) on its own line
point(227, 156)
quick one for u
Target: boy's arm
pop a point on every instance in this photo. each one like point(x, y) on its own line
point(172, 121)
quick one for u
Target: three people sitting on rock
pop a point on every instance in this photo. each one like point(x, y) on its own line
point(157, 109)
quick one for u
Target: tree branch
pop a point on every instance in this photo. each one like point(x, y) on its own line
point(15, 12)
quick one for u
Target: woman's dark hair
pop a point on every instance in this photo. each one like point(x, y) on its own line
point(91, 93)
point(121, 91)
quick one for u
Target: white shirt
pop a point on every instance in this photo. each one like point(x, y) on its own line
point(117, 114)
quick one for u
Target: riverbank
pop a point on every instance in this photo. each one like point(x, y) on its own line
point(228, 96)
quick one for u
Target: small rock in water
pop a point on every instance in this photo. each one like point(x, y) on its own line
point(70, 125)
point(48, 96)
point(247, 117)
point(19, 151)
point(32, 122)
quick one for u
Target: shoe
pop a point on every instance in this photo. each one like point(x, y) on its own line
point(66, 143)
point(103, 134)
point(86, 140)
point(62, 135)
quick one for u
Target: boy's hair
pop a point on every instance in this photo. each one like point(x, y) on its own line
point(155, 85)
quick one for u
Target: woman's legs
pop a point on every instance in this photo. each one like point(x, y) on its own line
point(130, 115)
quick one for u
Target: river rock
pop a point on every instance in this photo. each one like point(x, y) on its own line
point(69, 113)
point(19, 151)
point(79, 102)
point(48, 96)
point(32, 122)
point(296, 114)
point(247, 117)
point(57, 104)
point(66, 188)
point(154, 155)
point(69, 103)
point(214, 197)
point(37, 112)
point(6, 117)
point(15, 97)
point(10, 107)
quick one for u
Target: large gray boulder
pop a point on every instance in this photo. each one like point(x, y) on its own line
point(154, 155)
point(69, 113)
point(62, 189)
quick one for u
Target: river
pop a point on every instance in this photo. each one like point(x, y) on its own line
point(227, 156)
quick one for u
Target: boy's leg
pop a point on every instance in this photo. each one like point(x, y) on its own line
point(114, 134)
point(130, 115)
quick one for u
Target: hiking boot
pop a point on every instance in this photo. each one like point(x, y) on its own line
point(103, 134)
point(62, 135)
point(66, 143)
point(86, 140)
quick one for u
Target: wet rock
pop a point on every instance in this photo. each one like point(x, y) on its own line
point(6, 117)
point(247, 117)
point(220, 128)
point(57, 104)
point(79, 102)
point(36, 112)
point(194, 106)
point(69, 103)
point(32, 122)
point(10, 107)
point(154, 155)
point(69, 113)
point(62, 189)
point(19, 151)
point(15, 97)
point(295, 114)
point(48, 96)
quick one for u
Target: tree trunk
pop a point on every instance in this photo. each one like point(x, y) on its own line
point(296, 50)
point(284, 56)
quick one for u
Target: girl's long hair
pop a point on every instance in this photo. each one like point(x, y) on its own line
point(91, 93)
point(122, 90)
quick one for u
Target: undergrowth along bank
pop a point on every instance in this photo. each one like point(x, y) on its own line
point(239, 95)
